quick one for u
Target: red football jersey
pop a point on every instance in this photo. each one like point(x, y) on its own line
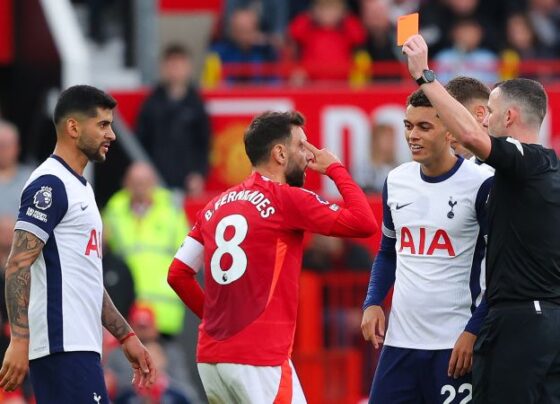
point(252, 237)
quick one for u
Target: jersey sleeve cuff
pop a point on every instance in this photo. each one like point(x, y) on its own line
point(33, 229)
point(333, 167)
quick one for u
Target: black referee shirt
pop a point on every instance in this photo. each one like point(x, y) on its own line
point(523, 254)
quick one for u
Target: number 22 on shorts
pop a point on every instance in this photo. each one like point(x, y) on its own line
point(449, 389)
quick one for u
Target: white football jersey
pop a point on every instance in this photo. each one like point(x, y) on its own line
point(439, 247)
point(482, 164)
point(58, 206)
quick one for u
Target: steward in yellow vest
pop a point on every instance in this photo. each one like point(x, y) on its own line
point(143, 225)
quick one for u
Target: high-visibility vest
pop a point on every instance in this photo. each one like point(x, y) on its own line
point(148, 245)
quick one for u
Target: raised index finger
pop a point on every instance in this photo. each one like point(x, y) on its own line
point(310, 147)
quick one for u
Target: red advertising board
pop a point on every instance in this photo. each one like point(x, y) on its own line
point(6, 32)
point(175, 6)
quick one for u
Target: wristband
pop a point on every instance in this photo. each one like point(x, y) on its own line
point(127, 336)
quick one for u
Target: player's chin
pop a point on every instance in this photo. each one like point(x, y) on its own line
point(419, 155)
point(100, 157)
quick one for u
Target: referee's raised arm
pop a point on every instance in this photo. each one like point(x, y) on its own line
point(456, 117)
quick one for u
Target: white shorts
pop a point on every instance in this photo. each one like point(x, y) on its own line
point(228, 383)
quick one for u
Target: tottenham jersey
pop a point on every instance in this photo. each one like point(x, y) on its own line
point(58, 206)
point(439, 246)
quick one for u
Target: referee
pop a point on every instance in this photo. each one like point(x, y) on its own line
point(517, 354)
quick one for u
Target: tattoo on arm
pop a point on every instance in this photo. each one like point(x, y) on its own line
point(112, 319)
point(26, 247)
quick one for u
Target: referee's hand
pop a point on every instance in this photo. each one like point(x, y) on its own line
point(462, 355)
point(373, 325)
point(16, 364)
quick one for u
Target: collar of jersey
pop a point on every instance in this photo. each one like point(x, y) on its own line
point(444, 176)
point(74, 173)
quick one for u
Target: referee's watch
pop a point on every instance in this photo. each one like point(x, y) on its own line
point(428, 76)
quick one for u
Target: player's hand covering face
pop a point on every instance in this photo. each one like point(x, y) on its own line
point(321, 158)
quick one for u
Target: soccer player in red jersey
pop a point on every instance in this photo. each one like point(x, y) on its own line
point(249, 240)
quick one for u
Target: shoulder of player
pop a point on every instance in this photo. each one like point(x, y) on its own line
point(301, 198)
point(404, 169)
point(44, 178)
point(470, 167)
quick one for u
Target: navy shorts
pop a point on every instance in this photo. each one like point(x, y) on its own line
point(68, 378)
point(417, 376)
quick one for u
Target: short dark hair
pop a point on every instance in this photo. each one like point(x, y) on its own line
point(418, 99)
point(529, 95)
point(267, 129)
point(82, 99)
point(175, 49)
point(466, 89)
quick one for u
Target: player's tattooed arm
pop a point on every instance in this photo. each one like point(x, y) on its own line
point(26, 247)
point(112, 319)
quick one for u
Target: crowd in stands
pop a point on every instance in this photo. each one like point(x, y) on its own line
point(283, 42)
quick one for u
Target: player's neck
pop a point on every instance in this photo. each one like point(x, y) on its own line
point(439, 166)
point(271, 174)
point(72, 156)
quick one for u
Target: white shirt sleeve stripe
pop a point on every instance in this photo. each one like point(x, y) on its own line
point(33, 229)
point(388, 232)
point(191, 253)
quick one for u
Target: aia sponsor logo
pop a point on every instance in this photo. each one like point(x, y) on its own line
point(425, 244)
point(94, 244)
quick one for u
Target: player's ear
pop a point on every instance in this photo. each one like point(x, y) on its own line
point(479, 113)
point(71, 126)
point(510, 116)
point(279, 153)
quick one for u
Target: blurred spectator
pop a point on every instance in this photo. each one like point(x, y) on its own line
point(173, 125)
point(163, 390)
point(297, 6)
point(245, 44)
point(545, 16)
point(380, 41)
point(401, 7)
point(326, 37)
point(439, 18)
point(117, 279)
point(143, 226)
point(326, 254)
point(13, 175)
point(522, 43)
point(173, 378)
point(272, 14)
point(467, 55)
point(382, 158)
point(521, 38)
